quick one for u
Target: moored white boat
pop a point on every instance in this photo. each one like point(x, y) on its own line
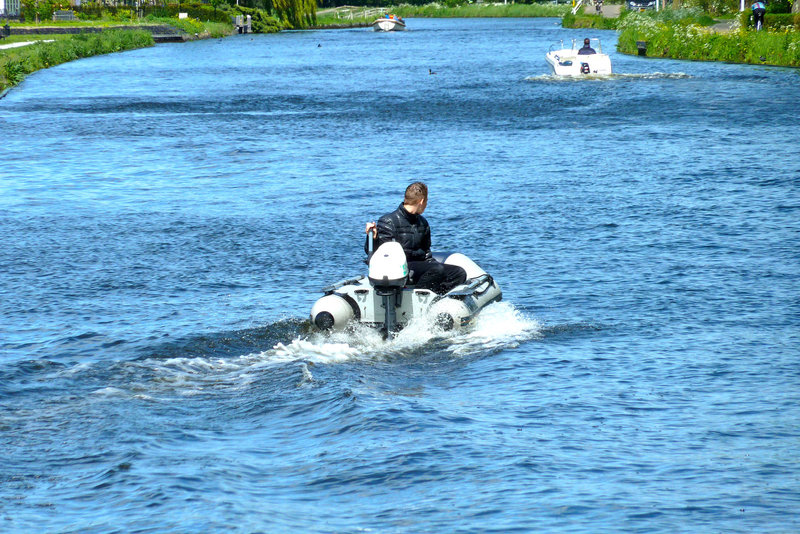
point(568, 62)
point(389, 23)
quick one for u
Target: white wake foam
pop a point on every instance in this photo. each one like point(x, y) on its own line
point(497, 326)
point(552, 78)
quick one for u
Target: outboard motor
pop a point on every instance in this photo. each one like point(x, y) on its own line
point(388, 273)
point(585, 68)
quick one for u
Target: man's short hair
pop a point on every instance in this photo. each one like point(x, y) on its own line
point(416, 192)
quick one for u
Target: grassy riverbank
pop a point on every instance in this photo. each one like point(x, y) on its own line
point(50, 49)
point(481, 10)
point(345, 18)
point(17, 63)
point(589, 21)
point(682, 39)
point(364, 16)
point(694, 35)
point(204, 30)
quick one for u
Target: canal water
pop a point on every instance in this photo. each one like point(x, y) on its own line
point(169, 216)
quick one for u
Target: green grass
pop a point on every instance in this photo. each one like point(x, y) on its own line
point(435, 10)
point(62, 23)
point(17, 63)
point(684, 15)
point(25, 38)
point(330, 18)
point(685, 40)
point(193, 26)
point(218, 29)
point(481, 10)
point(333, 22)
point(686, 34)
point(589, 21)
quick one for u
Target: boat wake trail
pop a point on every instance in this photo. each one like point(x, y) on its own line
point(498, 326)
point(552, 78)
point(233, 361)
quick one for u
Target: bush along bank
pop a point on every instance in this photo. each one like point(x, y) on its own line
point(680, 39)
point(775, 22)
point(667, 16)
point(282, 15)
point(589, 21)
point(17, 63)
point(435, 10)
point(262, 22)
point(363, 16)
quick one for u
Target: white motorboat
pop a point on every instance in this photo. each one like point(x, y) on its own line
point(389, 23)
point(569, 62)
point(384, 300)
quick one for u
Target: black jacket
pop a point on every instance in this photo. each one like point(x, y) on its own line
point(411, 231)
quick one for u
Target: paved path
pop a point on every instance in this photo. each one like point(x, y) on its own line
point(24, 43)
point(723, 27)
point(612, 11)
point(609, 12)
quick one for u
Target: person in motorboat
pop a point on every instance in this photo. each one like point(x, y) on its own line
point(407, 226)
point(586, 49)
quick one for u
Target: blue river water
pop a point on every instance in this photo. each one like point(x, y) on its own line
point(169, 215)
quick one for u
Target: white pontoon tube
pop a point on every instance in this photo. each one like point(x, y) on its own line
point(384, 300)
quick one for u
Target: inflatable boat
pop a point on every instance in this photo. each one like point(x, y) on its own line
point(384, 299)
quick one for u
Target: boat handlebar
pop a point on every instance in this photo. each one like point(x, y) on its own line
point(341, 283)
point(472, 286)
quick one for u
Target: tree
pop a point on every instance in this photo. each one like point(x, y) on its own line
point(215, 4)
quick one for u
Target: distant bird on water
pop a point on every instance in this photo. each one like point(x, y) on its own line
point(431, 72)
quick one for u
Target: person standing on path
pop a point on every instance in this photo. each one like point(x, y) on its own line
point(759, 8)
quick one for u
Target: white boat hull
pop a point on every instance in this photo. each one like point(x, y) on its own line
point(388, 25)
point(567, 62)
point(358, 301)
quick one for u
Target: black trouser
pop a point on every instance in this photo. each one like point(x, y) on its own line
point(758, 18)
point(438, 277)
